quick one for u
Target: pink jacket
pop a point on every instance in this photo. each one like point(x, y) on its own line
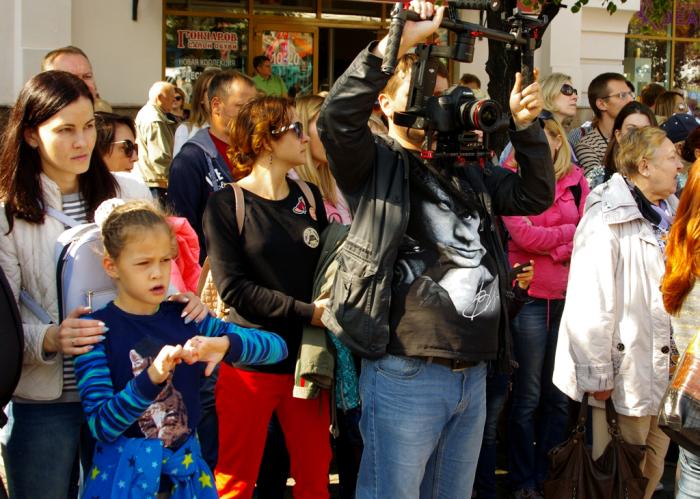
point(548, 238)
point(184, 273)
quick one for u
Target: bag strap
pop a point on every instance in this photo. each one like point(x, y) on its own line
point(34, 307)
point(576, 192)
point(306, 191)
point(240, 206)
point(62, 217)
point(613, 420)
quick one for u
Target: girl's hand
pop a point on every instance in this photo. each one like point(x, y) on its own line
point(195, 310)
point(526, 104)
point(524, 278)
point(319, 307)
point(74, 336)
point(206, 349)
point(163, 365)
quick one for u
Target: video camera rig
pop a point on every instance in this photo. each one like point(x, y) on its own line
point(453, 117)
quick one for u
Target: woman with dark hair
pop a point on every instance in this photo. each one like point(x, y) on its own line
point(46, 161)
point(116, 141)
point(691, 147)
point(682, 300)
point(633, 115)
point(265, 272)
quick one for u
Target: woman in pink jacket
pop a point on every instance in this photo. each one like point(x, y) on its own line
point(546, 240)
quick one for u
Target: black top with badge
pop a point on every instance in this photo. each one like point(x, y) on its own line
point(267, 271)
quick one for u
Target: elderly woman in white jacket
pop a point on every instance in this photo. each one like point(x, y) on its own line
point(46, 161)
point(615, 336)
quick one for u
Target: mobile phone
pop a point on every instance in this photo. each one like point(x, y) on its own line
point(518, 270)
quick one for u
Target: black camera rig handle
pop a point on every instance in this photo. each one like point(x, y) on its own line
point(398, 20)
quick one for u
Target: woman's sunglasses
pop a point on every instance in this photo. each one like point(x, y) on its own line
point(296, 126)
point(178, 98)
point(568, 90)
point(128, 147)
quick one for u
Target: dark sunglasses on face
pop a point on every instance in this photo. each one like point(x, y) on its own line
point(296, 126)
point(128, 147)
point(568, 90)
point(178, 97)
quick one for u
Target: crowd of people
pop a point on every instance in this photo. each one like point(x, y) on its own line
point(438, 292)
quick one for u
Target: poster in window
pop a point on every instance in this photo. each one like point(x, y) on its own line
point(193, 44)
point(292, 56)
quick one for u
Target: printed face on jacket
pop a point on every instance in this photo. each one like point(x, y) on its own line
point(447, 264)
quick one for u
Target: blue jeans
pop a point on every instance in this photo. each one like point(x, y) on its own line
point(40, 445)
point(421, 425)
point(496, 394)
point(689, 483)
point(535, 330)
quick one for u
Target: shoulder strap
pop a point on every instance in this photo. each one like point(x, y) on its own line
point(34, 307)
point(62, 217)
point(240, 206)
point(306, 190)
point(576, 191)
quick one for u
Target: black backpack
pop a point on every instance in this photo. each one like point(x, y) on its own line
point(11, 345)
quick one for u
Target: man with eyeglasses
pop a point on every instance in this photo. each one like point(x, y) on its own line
point(607, 94)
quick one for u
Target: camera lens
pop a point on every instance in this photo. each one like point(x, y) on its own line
point(480, 114)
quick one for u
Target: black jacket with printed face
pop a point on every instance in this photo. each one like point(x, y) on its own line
point(374, 177)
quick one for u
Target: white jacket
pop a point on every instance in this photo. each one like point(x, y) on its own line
point(615, 333)
point(27, 258)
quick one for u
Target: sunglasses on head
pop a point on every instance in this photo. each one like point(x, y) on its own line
point(568, 90)
point(128, 147)
point(296, 126)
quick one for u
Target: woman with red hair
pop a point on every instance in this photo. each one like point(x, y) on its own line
point(682, 299)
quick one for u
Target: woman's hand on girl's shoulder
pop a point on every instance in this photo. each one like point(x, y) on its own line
point(74, 336)
point(195, 310)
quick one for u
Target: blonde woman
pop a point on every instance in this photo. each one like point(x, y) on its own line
point(315, 170)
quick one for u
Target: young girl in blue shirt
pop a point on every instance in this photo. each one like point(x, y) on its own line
point(139, 387)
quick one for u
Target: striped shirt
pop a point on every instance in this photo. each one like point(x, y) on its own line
point(73, 206)
point(590, 152)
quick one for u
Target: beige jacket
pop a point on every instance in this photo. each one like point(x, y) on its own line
point(27, 258)
point(615, 333)
point(155, 136)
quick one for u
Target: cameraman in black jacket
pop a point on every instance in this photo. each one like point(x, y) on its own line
point(422, 281)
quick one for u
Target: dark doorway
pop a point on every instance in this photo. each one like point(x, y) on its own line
point(337, 49)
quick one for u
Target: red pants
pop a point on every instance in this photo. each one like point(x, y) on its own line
point(245, 401)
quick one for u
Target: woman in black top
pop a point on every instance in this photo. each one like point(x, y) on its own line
point(266, 273)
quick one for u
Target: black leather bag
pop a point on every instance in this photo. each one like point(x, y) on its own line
point(575, 475)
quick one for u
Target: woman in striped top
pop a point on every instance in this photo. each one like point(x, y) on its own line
point(46, 161)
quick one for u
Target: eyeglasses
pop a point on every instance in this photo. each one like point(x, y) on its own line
point(296, 126)
point(178, 97)
point(568, 90)
point(128, 147)
point(621, 95)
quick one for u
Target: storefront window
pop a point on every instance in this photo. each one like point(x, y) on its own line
point(662, 45)
point(292, 56)
point(194, 44)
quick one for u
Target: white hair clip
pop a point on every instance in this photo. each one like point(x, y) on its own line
point(105, 208)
